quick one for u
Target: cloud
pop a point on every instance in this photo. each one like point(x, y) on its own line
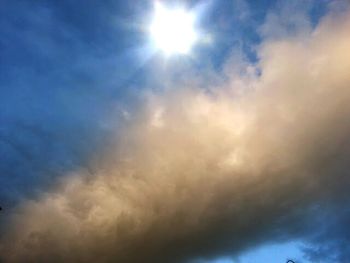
point(329, 241)
point(241, 9)
point(197, 173)
point(287, 19)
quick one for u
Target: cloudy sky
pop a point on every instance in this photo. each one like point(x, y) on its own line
point(235, 151)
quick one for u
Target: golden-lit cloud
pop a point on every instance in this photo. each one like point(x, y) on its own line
point(195, 173)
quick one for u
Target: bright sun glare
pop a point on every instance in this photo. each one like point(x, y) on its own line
point(172, 30)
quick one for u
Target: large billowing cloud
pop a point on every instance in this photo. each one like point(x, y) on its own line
point(196, 173)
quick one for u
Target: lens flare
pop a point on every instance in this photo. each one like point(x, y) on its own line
point(173, 30)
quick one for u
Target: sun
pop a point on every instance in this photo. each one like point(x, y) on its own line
point(173, 30)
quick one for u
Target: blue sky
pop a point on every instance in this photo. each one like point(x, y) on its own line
point(71, 72)
point(268, 253)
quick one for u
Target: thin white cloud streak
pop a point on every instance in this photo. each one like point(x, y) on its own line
point(196, 174)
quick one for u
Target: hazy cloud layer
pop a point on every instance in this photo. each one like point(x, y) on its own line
point(196, 173)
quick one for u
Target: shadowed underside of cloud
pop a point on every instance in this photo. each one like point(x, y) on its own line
point(196, 173)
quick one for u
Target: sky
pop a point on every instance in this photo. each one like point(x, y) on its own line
point(235, 152)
